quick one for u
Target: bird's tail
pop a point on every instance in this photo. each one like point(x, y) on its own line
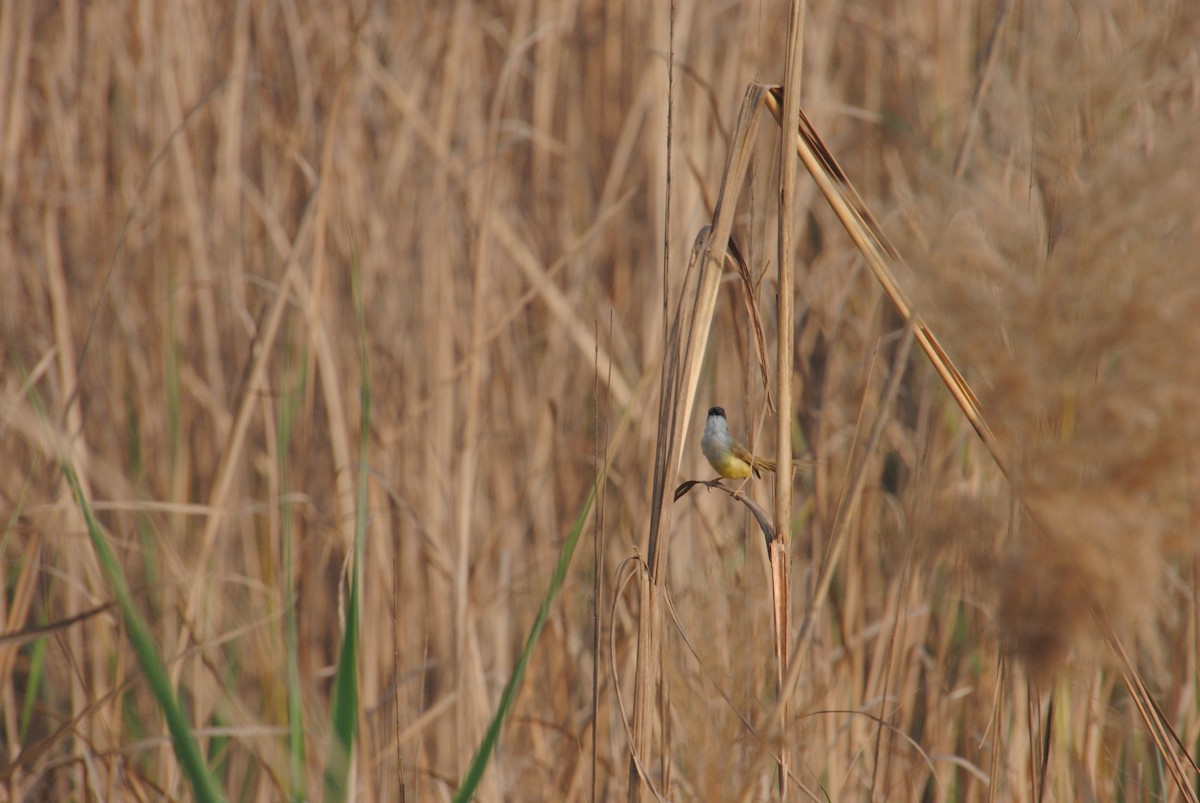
point(761, 465)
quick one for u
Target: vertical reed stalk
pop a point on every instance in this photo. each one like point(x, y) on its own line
point(780, 548)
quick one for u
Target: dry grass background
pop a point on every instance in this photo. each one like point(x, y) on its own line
point(496, 173)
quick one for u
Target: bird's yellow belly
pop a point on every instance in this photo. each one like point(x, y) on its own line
point(731, 467)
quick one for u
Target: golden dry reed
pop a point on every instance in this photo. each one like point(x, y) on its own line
point(186, 189)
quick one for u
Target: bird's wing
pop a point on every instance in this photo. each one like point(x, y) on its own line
point(756, 463)
point(740, 452)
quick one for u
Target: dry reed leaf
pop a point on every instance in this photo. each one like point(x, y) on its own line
point(760, 515)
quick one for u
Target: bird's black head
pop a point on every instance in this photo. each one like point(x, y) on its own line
point(720, 411)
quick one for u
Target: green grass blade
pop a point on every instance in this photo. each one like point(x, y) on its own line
point(483, 755)
point(37, 674)
point(204, 786)
point(344, 713)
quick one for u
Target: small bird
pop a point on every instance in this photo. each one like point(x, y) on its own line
point(727, 456)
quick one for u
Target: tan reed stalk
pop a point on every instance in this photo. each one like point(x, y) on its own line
point(785, 295)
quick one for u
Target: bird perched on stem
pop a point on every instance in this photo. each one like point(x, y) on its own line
point(731, 460)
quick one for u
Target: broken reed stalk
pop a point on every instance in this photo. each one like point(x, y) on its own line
point(685, 349)
point(860, 224)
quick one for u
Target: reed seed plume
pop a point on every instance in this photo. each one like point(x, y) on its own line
point(1082, 327)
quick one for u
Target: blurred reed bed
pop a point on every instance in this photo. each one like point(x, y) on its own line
point(186, 192)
